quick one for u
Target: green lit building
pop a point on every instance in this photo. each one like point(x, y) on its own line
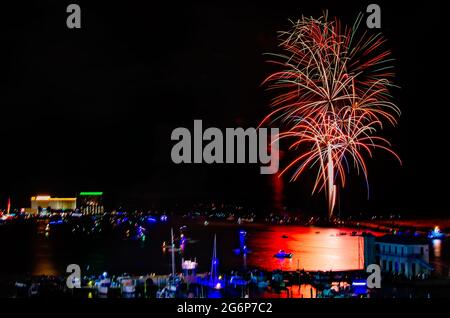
point(90, 202)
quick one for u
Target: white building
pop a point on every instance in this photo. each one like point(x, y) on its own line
point(402, 255)
point(46, 201)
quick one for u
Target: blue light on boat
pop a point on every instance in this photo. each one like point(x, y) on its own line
point(237, 281)
point(436, 233)
point(151, 219)
point(214, 294)
point(359, 283)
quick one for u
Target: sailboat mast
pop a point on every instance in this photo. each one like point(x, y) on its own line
point(173, 253)
point(214, 261)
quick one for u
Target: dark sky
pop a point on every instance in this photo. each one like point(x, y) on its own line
point(93, 109)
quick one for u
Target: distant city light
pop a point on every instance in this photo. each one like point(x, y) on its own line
point(42, 198)
point(49, 198)
point(91, 193)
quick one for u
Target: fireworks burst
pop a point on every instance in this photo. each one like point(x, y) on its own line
point(333, 97)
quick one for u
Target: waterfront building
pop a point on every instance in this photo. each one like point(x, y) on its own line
point(90, 202)
point(41, 203)
point(396, 254)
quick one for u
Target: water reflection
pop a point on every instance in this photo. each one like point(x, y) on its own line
point(437, 260)
point(43, 263)
point(437, 248)
point(313, 249)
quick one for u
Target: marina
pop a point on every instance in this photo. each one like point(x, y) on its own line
point(125, 256)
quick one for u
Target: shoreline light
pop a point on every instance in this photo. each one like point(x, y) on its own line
point(91, 193)
point(49, 198)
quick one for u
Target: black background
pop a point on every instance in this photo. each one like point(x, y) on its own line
point(93, 109)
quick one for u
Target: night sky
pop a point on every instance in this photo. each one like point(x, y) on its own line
point(93, 109)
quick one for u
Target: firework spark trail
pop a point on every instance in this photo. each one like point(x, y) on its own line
point(333, 95)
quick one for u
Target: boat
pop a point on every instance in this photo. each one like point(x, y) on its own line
point(174, 281)
point(263, 284)
point(238, 281)
point(170, 248)
point(283, 254)
point(173, 284)
point(128, 285)
point(103, 286)
point(213, 281)
point(34, 290)
point(171, 289)
point(242, 250)
point(284, 236)
point(436, 234)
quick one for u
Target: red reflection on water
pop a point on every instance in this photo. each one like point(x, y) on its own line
point(43, 263)
point(277, 192)
point(313, 248)
point(295, 291)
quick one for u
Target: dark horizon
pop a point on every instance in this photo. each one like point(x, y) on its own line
point(93, 109)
